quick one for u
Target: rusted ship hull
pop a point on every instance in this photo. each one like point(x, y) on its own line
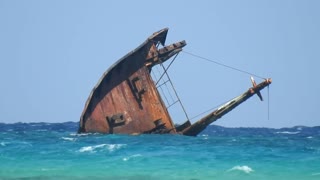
point(126, 100)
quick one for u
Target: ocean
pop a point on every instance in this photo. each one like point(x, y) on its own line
point(56, 151)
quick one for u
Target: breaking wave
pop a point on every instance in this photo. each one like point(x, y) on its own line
point(68, 139)
point(245, 169)
point(78, 134)
point(288, 132)
point(109, 147)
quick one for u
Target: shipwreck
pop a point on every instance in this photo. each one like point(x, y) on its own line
point(126, 99)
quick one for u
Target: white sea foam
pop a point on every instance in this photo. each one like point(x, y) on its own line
point(3, 144)
point(68, 139)
point(288, 132)
point(76, 134)
point(309, 137)
point(91, 148)
point(205, 136)
point(113, 147)
point(86, 149)
point(109, 147)
point(130, 157)
point(245, 169)
point(82, 134)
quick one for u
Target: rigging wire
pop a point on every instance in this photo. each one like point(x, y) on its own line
point(173, 88)
point(230, 67)
point(164, 82)
point(172, 99)
point(166, 69)
point(165, 97)
point(224, 65)
point(208, 110)
point(209, 60)
point(215, 107)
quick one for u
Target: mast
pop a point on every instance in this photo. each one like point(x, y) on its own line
point(196, 128)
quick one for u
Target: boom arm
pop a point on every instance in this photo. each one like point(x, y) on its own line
point(200, 125)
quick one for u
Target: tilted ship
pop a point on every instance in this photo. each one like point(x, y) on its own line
point(126, 99)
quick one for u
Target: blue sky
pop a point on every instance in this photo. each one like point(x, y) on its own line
point(52, 53)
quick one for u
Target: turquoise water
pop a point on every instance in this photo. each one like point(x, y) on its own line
point(56, 151)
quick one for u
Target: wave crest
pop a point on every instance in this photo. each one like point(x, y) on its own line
point(245, 169)
point(288, 132)
point(68, 139)
point(109, 147)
